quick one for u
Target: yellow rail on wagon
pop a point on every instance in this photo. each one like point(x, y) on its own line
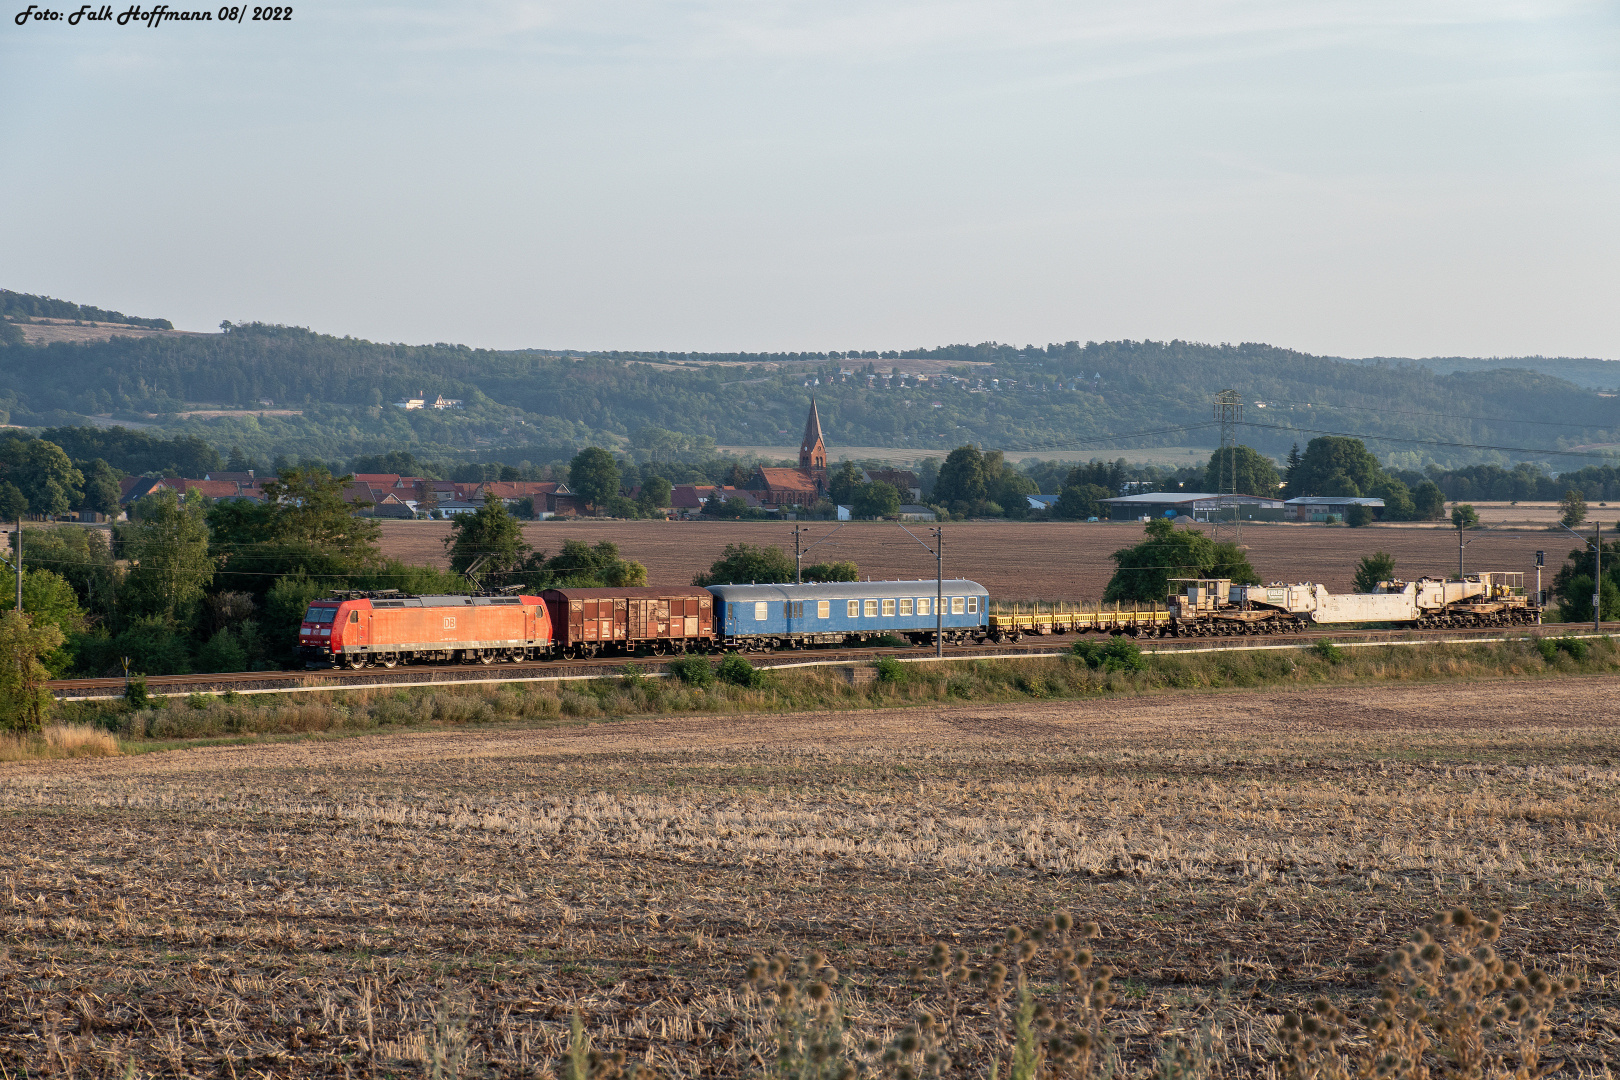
point(1061, 618)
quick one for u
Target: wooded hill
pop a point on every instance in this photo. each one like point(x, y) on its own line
point(1109, 396)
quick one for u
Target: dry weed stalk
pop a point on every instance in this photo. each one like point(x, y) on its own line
point(1448, 1006)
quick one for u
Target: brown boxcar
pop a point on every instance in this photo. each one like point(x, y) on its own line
point(590, 622)
point(388, 630)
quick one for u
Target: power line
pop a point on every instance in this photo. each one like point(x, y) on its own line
point(1437, 442)
point(1410, 412)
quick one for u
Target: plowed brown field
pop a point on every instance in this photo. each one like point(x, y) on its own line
point(1018, 560)
point(443, 903)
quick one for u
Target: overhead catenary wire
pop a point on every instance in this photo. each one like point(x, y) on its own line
point(1435, 442)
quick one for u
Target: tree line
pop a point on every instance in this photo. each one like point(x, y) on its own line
point(1064, 394)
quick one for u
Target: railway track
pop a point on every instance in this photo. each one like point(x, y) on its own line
point(270, 682)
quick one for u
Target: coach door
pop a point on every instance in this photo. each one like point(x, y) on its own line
point(639, 618)
point(705, 617)
point(620, 622)
point(660, 618)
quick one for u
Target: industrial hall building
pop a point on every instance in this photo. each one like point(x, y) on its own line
point(795, 487)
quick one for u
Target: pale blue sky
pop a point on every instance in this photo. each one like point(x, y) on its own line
point(1396, 178)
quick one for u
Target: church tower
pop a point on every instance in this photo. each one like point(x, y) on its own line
point(813, 450)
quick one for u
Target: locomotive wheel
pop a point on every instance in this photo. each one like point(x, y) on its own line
point(389, 661)
point(485, 656)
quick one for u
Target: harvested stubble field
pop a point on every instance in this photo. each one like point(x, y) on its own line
point(1017, 560)
point(443, 903)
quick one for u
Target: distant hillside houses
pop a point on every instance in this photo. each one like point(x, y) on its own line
point(421, 402)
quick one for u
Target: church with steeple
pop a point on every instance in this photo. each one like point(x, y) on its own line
point(801, 486)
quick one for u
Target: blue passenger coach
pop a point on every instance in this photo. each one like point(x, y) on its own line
point(773, 616)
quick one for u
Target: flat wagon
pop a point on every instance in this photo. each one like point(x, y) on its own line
point(383, 629)
point(594, 622)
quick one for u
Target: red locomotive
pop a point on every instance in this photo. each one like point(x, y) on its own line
point(357, 630)
point(386, 629)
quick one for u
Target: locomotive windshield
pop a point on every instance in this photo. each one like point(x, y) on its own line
point(320, 614)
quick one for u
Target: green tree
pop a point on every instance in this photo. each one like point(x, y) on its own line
point(1145, 569)
point(842, 484)
point(222, 652)
point(1342, 485)
point(101, 488)
point(13, 503)
point(307, 507)
point(1333, 461)
point(168, 551)
point(655, 494)
point(876, 500)
point(831, 571)
point(743, 564)
point(1077, 502)
point(43, 471)
point(50, 601)
point(585, 566)
point(1573, 505)
point(493, 539)
point(593, 475)
point(1463, 516)
point(25, 701)
point(1372, 569)
point(155, 646)
point(83, 558)
point(1428, 502)
point(1398, 504)
point(961, 482)
point(1007, 486)
point(1356, 515)
point(1573, 580)
point(1256, 475)
point(1577, 599)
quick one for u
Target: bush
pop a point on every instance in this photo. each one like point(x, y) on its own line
point(890, 670)
point(1119, 654)
point(1576, 648)
point(736, 669)
point(222, 652)
point(1328, 651)
point(890, 641)
point(1357, 516)
point(693, 670)
point(135, 692)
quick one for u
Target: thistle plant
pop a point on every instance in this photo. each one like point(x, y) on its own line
point(1448, 1006)
point(1061, 1034)
point(808, 1021)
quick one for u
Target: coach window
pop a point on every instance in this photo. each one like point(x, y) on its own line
point(905, 605)
point(854, 611)
point(922, 605)
point(823, 609)
point(888, 607)
point(871, 609)
point(973, 605)
point(762, 611)
point(956, 605)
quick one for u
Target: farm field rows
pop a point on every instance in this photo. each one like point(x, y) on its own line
point(1016, 560)
point(443, 902)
